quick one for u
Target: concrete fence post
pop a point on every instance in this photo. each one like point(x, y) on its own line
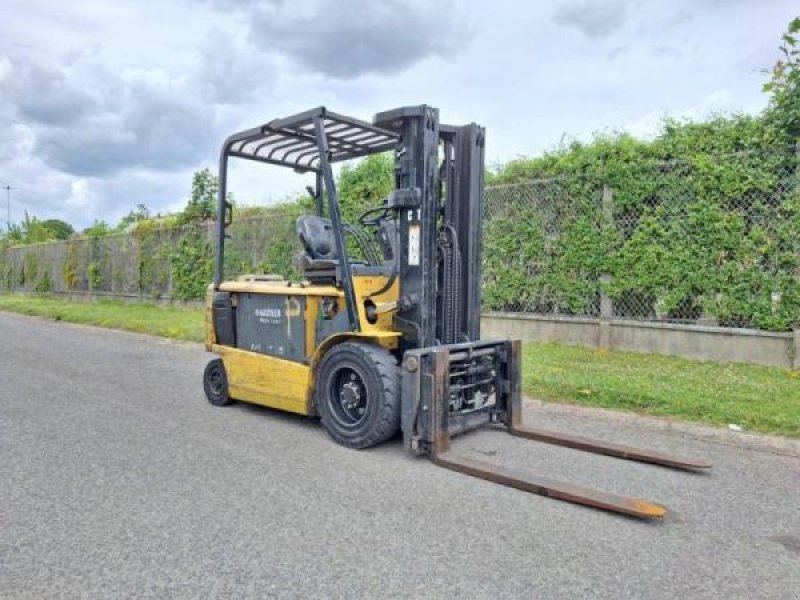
point(795, 350)
point(606, 303)
point(797, 162)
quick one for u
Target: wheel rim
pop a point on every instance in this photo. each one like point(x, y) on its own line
point(348, 398)
point(216, 382)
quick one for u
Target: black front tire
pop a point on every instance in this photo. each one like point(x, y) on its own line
point(358, 394)
point(215, 383)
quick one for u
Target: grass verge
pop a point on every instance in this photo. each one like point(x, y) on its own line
point(764, 399)
point(172, 322)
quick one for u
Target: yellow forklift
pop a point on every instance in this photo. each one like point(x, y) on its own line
point(382, 335)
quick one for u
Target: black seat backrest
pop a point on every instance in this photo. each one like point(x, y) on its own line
point(316, 235)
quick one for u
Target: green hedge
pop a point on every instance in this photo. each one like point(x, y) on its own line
point(714, 234)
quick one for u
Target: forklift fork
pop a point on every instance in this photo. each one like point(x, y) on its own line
point(432, 419)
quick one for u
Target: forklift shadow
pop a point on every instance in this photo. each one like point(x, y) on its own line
point(305, 423)
point(393, 448)
point(275, 414)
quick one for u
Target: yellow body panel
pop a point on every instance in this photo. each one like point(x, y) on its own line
point(211, 338)
point(271, 287)
point(267, 380)
point(364, 286)
point(287, 385)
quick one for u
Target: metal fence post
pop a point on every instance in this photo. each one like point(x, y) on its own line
point(606, 303)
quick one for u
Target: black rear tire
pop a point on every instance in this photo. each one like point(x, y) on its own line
point(358, 394)
point(215, 383)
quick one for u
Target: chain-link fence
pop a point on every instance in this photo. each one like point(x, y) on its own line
point(121, 264)
point(152, 261)
point(716, 242)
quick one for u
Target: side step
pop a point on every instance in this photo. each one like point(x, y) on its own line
point(429, 425)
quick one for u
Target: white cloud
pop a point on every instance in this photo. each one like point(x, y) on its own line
point(105, 105)
point(80, 197)
point(649, 125)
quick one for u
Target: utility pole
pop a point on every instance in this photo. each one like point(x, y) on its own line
point(8, 207)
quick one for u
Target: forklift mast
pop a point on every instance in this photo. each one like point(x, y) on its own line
point(439, 205)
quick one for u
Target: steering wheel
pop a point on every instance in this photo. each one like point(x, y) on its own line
point(365, 219)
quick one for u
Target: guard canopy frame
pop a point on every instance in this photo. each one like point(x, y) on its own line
point(291, 142)
point(309, 141)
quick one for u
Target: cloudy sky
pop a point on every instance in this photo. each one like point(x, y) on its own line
point(104, 105)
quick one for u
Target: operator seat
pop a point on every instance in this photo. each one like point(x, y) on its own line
point(320, 260)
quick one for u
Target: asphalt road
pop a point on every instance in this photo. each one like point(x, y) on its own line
point(117, 479)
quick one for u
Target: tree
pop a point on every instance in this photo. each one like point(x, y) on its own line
point(784, 86)
point(203, 199)
point(140, 213)
point(14, 235)
point(98, 229)
point(34, 231)
point(365, 184)
point(59, 230)
point(193, 258)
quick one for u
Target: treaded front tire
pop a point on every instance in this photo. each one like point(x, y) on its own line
point(358, 394)
point(215, 383)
